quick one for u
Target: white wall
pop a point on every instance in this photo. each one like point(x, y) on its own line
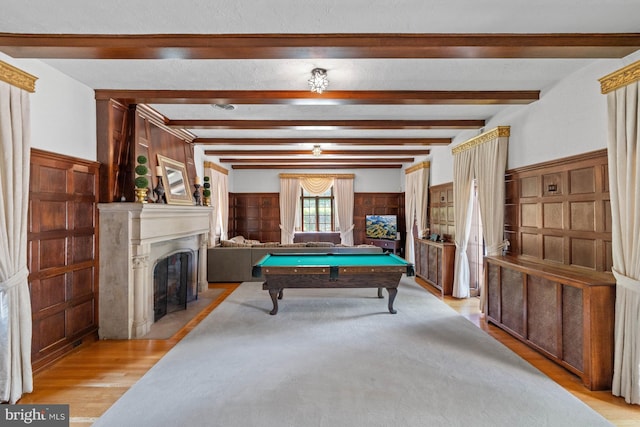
point(570, 118)
point(63, 111)
point(268, 181)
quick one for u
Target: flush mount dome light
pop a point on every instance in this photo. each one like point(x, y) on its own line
point(318, 82)
point(316, 150)
point(226, 107)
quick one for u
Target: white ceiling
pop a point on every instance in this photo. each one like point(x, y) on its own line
point(409, 17)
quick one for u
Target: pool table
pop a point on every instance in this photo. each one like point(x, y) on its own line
point(331, 270)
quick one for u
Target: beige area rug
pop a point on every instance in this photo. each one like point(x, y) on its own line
point(337, 357)
point(172, 323)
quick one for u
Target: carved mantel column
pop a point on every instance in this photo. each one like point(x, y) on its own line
point(203, 283)
point(141, 324)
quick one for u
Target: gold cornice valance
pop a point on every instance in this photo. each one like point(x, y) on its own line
point(499, 132)
point(620, 78)
point(16, 77)
point(211, 165)
point(318, 175)
point(423, 165)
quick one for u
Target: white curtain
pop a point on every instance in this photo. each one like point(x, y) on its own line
point(344, 207)
point(15, 307)
point(463, 165)
point(220, 200)
point(416, 206)
point(624, 184)
point(223, 203)
point(213, 220)
point(289, 192)
point(410, 215)
point(490, 166)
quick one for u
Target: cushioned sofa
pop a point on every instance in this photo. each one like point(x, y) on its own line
point(234, 262)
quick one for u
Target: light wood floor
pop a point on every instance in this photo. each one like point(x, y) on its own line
point(93, 377)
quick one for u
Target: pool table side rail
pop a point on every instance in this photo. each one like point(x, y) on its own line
point(389, 263)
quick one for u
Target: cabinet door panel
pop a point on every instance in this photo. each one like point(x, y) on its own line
point(542, 315)
point(572, 326)
point(513, 292)
point(493, 287)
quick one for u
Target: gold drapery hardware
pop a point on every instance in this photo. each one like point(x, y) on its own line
point(216, 167)
point(423, 165)
point(318, 175)
point(499, 132)
point(16, 77)
point(620, 78)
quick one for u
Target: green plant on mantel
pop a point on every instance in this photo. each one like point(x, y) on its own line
point(206, 193)
point(141, 170)
point(141, 182)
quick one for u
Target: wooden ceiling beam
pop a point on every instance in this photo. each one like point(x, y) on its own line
point(325, 152)
point(315, 160)
point(306, 97)
point(313, 46)
point(328, 124)
point(332, 141)
point(321, 166)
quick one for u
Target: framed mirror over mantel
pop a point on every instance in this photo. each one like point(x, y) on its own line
point(175, 180)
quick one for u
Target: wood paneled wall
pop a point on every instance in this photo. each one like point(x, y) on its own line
point(441, 219)
point(377, 204)
point(128, 131)
point(62, 257)
point(256, 216)
point(560, 212)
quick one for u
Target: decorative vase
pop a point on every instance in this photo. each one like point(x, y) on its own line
point(141, 195)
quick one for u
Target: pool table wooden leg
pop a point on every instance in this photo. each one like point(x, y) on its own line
point(273, 293)
point(392, 296)
point(380, 293)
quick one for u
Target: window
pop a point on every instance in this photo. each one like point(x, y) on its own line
point(317, 211)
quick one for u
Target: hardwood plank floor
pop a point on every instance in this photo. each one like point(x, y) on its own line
point(94, 376)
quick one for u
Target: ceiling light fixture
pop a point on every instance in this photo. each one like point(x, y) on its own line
point(226, 107)
point(318, 81)
point(316, 150)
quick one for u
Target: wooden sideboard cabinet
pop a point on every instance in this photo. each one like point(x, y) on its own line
point(435, 263)
point(393, 246)
point(565, 313)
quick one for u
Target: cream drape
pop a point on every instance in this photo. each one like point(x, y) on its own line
point(344, 207)
point(16, 375)
point(223, 205)
point(220, 200)
point(214, 223)
point(463, 165)
point(416, 206)
point(316, 185)
point(490, 165)
point(289, 192)
point(623, 151)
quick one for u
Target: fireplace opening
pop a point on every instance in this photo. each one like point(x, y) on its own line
point(173, 284)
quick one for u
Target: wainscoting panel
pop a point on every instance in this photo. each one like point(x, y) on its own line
point(560, 212)
point(62, 255)
point(442, 220)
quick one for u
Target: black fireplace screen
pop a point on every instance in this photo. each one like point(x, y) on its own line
point(173, 286)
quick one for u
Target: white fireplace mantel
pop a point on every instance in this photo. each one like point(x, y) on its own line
point(132, 237)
